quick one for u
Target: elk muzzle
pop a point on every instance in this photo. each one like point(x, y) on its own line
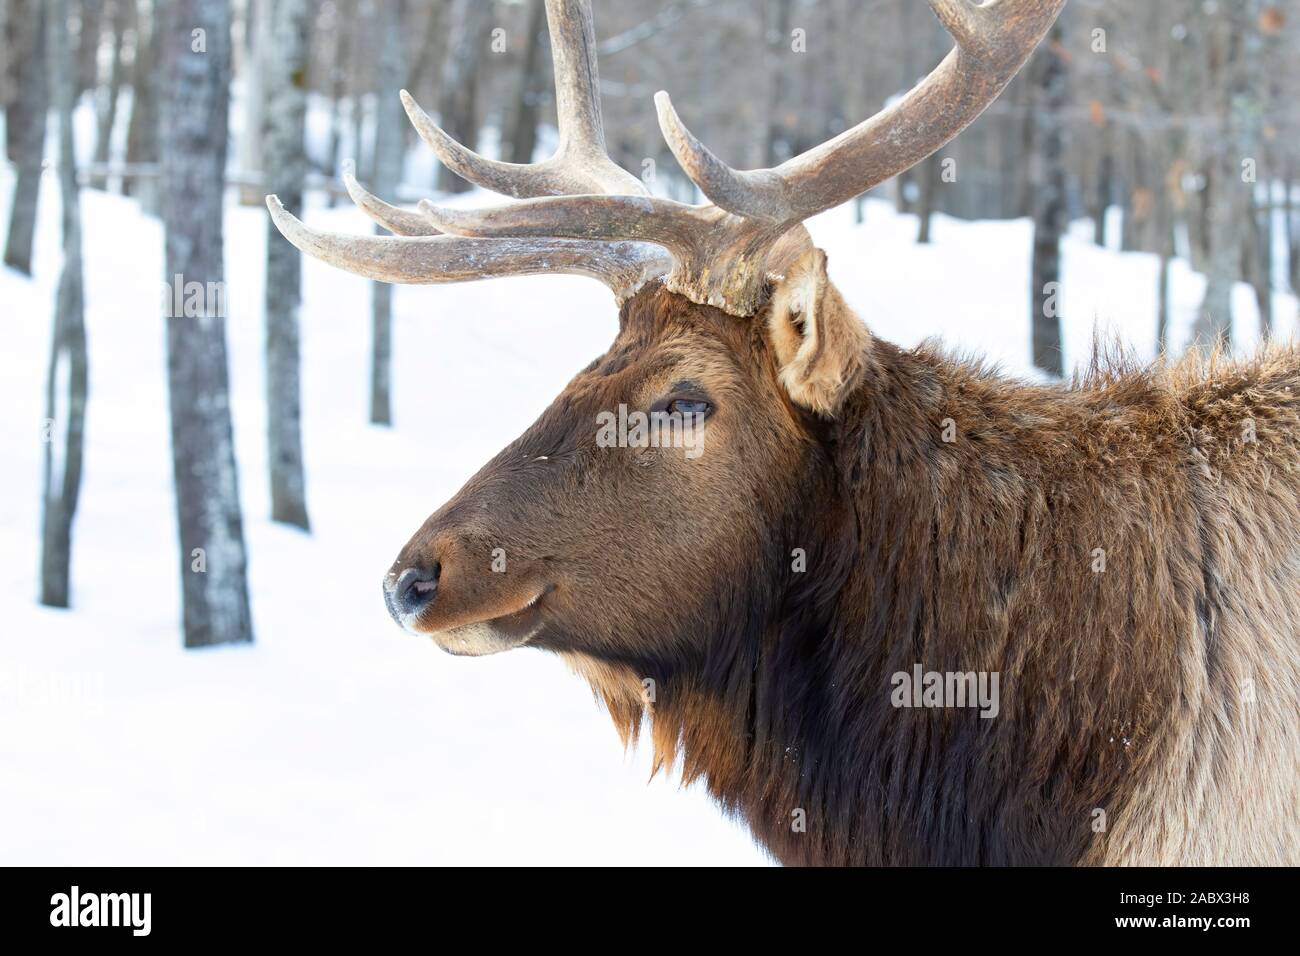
point(452, 587)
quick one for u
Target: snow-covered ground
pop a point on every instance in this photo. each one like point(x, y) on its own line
point(336, 738)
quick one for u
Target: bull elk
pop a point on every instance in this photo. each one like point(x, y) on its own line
point(865, 521)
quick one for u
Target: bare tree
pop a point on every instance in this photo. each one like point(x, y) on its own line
point(1262, 52)
point(90, 17)
point(7, 79)
point(429, 50)
point(123, 19)
point(286, 163)
point(142, 131)
point(1168, 202)
point(1050, 210)
point(340, 31)
point(1292, 218)
point(389, 121)
point(471, 21)
point(196, 52)
point(261, 56)
point(523, 127)
point(65, 394)
point(25, 125)
point(362, 67)
point(1232, 34)
point(1257, 259)
point(928, 174)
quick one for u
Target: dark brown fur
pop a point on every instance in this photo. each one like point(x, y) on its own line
point(1123, 691)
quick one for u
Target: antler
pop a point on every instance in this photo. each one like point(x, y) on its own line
point(993, 42)
point(424, 259)
point(580, 164)
point(420, 254)
point(581, 213)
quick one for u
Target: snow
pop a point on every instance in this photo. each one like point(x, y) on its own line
point(336, 738)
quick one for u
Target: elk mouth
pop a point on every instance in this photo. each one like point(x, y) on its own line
point(493, 635)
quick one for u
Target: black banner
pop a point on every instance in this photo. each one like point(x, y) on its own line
point(211, 906)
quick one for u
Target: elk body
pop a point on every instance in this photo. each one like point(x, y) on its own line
point(1121, 554)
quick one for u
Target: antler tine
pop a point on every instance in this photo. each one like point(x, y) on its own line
point(580, 164)
point(424, 260)
point(577, 78)
point(401, 222)
point(974, 28)
point(993, 42)
point(755, 193)
point(509, 179)
point(641, 218)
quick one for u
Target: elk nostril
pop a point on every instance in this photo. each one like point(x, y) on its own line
point(416, 587)
point(427, 583)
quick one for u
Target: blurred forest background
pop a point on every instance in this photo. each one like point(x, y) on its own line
point(1172, 127)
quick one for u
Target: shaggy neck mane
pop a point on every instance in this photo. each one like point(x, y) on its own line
point(964, 523)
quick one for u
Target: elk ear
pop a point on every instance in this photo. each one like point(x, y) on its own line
point(820, 343)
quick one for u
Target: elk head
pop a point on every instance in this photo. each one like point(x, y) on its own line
point(627, 553)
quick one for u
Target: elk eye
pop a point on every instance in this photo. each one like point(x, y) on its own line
point(690, 406)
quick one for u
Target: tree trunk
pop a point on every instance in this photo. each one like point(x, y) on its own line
point(471, 20)
point(65, 390)
point(776, 22)
point(91, 15)
point(1232, 193)
point(338, 87)
point(523, 128)
point(388, 171)
point(252, 157)
point(363, 60)
point(142, 131)
point(1050, 208)
point(1223, 264)
point(1293, 235)
point(1194, 218)
point(1165, 250)
point(420, 76)
point(1162, 226)
point(1129, 185)
point(904, 182)
point(1105, 188)
point(8, 82)
point(1162, 305)
point(286, 170)
point(214, 589)
point(929, 174)
point(1025, 195)
point(25, 129)
point(1257, 261)
point(106, 114)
